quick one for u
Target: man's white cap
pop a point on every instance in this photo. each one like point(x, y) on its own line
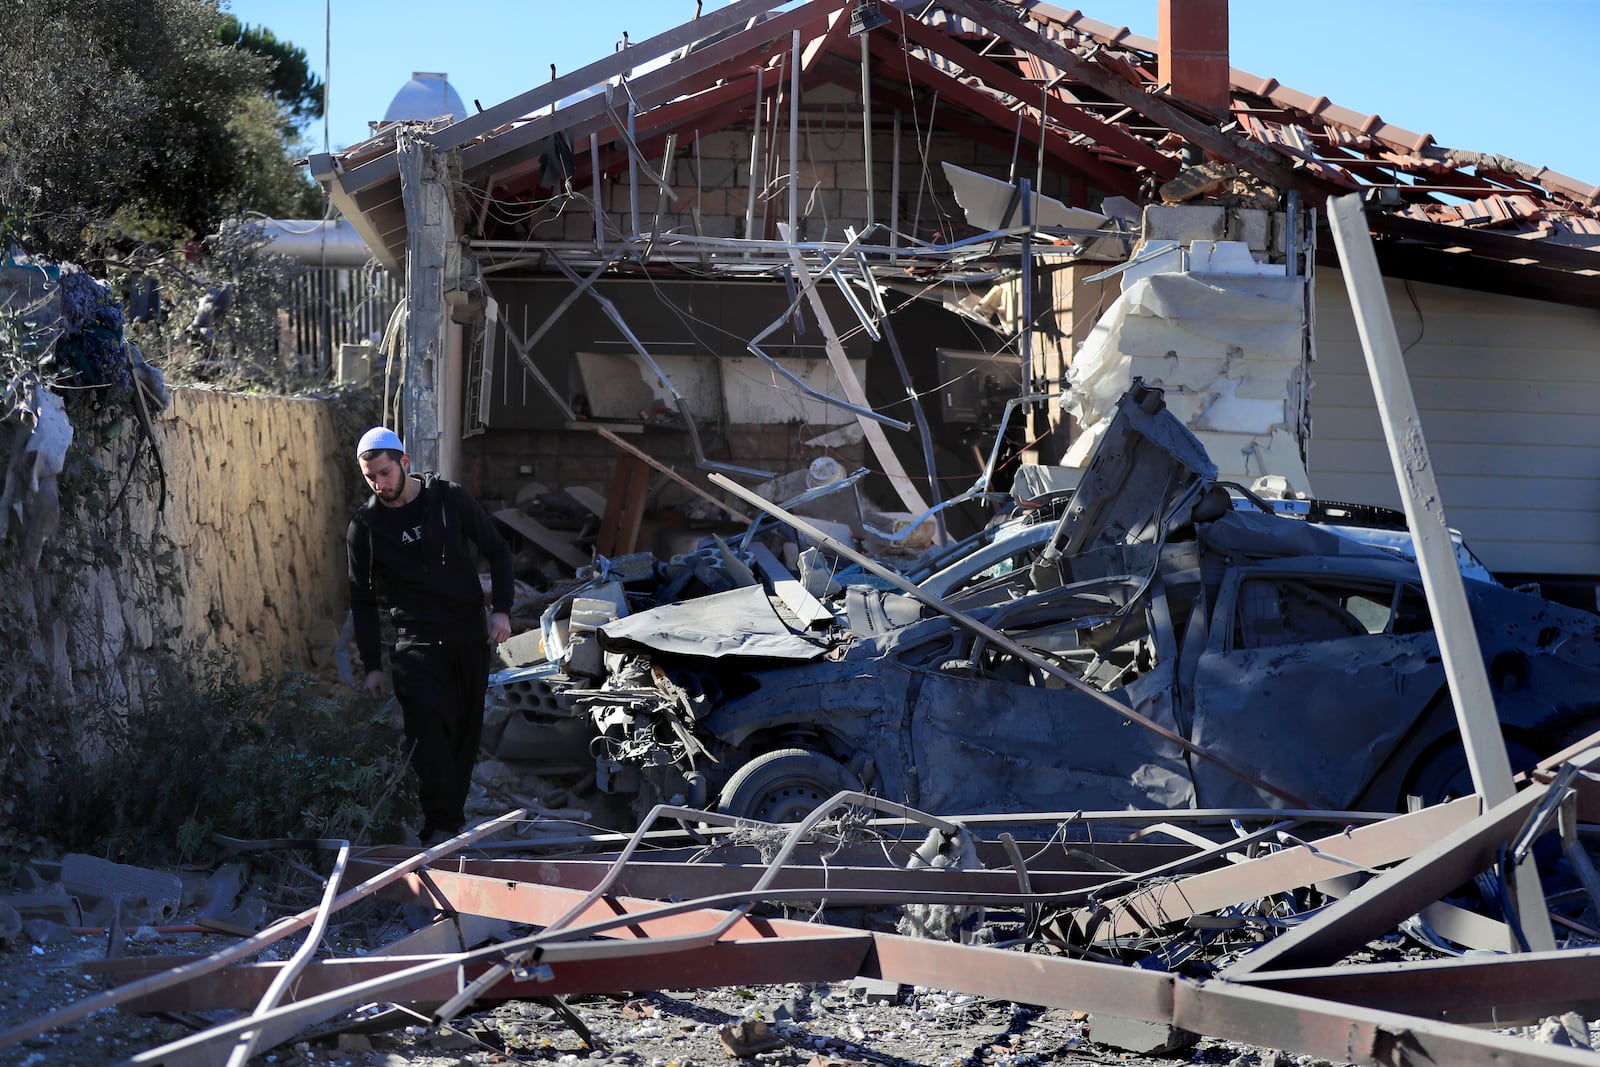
point(379, 437)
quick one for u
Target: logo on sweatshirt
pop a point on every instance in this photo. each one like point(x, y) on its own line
point(411, 536)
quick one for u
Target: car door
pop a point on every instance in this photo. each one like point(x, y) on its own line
point(1310, 677)
point(988, 733)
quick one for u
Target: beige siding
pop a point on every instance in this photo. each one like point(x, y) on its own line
point(1509, 393)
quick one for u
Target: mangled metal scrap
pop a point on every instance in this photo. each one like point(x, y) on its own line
point(1240, 917)
point(1182, 632)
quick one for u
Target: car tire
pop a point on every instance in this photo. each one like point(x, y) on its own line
point(784, 786)
point(1442, 774)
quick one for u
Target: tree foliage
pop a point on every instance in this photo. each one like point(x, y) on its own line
point(292, 83)
point(130, 118)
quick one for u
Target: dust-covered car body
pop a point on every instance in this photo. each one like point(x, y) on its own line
point(1270, 642)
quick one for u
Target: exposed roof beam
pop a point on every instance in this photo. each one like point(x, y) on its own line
point(1485, 243)
point(662, 85)
point(1002, 20)
point(1460, 269)
point(699, 29)
point(983, 104)
point(325, 171)
point(997, 77)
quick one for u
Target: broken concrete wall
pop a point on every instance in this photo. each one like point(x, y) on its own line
point(1228, 350)
point(1209, 312)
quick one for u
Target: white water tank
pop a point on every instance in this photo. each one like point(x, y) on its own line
point(425, 96)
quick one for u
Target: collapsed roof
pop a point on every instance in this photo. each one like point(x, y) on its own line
point(1094, 99)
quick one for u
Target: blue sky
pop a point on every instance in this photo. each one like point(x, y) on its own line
point(1510, 78)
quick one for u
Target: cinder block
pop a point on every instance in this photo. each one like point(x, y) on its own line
point(1252, 226)
point(813, 175)
point(520, 651)
point(875, 990)
point(1184, 223)
point(720, 225)
point(726, 144)
point(577, 225)
point(591, 613)
point(583, 657)
point(850, 175)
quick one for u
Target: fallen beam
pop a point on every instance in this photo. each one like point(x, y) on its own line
point(1482, 990)
point(546, 538)
point(1376, 845)
point(833, 957)
point(1375, 908)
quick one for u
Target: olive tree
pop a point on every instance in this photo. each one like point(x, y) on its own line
point(138, 119)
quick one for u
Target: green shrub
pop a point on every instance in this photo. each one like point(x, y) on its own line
point(211, 754)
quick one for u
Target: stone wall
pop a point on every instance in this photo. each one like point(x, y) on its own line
point(256, 510)
point(246, 555)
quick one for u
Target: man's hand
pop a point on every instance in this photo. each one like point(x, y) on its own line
point(499, 628)
point(377, 684)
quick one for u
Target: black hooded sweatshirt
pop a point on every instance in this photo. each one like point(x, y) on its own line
point(419, 559)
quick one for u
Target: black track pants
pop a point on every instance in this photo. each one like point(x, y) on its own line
point(441, 689)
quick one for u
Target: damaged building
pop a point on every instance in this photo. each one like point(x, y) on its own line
point(857, 232)
point(1167, 711)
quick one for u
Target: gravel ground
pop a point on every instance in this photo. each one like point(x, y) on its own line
point(780, 1026)
point(827, 1025)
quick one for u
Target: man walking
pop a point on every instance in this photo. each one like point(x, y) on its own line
point(412, 543)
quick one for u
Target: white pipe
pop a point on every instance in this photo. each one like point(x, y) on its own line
point(755, 157)
point(315, 242)
point(794, 135)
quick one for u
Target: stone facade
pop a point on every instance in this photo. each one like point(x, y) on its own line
point(246, 556)
point(257, 489)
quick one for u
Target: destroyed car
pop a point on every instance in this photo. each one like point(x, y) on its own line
point(1263, 641)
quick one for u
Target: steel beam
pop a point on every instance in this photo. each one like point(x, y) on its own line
point(274, 933)
point(1338, 1031)
point(1377, 907)
point(1481, 990)
point(826, 958)
point(687, 881)
point(1347, 1033)
point(1163, 902)
point(1465, 673)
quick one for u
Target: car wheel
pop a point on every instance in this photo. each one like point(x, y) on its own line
point(1442, 774)
point(784, 786)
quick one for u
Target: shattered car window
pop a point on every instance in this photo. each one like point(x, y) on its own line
point(1290, 611)
point(1276, 612)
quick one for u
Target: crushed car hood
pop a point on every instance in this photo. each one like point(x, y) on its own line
point(738, 622)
